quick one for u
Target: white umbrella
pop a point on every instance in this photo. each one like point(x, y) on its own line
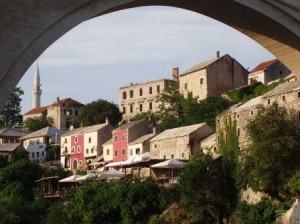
point(112, 173)
point(88, 176)
point(72, 178)
point(169, 164)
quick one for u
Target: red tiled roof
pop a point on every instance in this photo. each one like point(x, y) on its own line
point(68, 102)
point(262, 66)
point(37, 110)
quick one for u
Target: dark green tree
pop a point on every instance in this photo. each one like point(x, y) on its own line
point(37, 123)
point(11, 114)
point(207, 191)
point(273, 156)
point(96, 112)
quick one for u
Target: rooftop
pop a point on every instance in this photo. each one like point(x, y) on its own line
point(284, 88)
point(109, 142)
point(9, 147)
point(251, 103)
point(37, 110)
point(178, 132)
point(142, 139)
point(130, 124)
point(264, 65)
point(47, 131)
point(13, 132)
point(201, 65)
point(84, 130)
point(211, 137)
point(67, 102)
point(144, 83)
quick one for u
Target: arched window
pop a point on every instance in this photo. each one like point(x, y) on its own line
point(75, 164)
point(107, 152)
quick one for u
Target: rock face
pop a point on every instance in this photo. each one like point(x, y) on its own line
point(176, 214)
point(292, 216)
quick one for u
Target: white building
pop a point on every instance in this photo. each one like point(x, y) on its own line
point(37, 142)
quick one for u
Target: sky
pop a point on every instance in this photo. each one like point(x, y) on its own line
point(96, 58)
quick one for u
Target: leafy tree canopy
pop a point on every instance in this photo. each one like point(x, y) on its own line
point(37, 123)
point(96, 112)
point(11, 114)
point(273, 156)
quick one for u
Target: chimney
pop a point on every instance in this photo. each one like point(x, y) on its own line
point(106, 120)
point(175, 74)
point(218, 54)
point(57, 98)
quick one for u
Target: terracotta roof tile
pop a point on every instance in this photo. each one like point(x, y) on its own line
point(68, 102)
point(37, 110)
point(264, 65)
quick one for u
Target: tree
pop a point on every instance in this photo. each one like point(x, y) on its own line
point(96, 112)
point(206, 190)
point(273, 156)
point(11, 114)
point(37, 123)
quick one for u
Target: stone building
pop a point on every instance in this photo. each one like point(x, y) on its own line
point(210, 145)
point(213, 77)
point(140, 145)
point(9, 150)
point(179, 143)
point(268, 71)
point(240, 113)
point(141, 97)
point(12, 135)
point(61, 113)
point(37, 142)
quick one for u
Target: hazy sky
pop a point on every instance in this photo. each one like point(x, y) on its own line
point(97, 57)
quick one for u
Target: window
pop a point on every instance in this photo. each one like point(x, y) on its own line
point(107, 152)
point(67, 111)
point(78, 149)
point(90, 139)
point(172, 156)
point(298, 94)
point(141, 107)
point(73, 149)
point(201, 81)
point(131, 108)
point(32, 155)
point(158, 89)
point(92, 150)
point(38, 142)
point(66, 140)
point(237, 116)
point(124, 95)
point(76, 139)
point(116, 138)
point(131, 152)
point(66, 149)
point(124, 110)
point(155, 146)
point(150, 90)
point(138, 151)
point(68, 124)
point(283, 98)
point(182, 155)
point(165, 157)
point(76, 112)
point(123, 137)
point(141, 92)
point(185, 86)
point(238, 131)
point(150, 106)
point(298, 116)
point(38, 154)
point(269, 101)
point(116, 153)
point(87, 151)
point(123, 151)
point(43, 153)
point(80, 162)
point(251, 112)
point(131, 93)
point(215, 149)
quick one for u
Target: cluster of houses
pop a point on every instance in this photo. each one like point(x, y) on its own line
point(135, 146)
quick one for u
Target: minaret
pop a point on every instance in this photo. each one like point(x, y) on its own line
point(36, 90)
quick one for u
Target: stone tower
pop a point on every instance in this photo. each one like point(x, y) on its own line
point(36, 90)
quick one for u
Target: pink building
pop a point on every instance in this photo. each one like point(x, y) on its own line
point(77, 157)
point(127, 133)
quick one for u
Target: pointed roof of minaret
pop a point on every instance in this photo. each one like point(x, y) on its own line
point(37, 76)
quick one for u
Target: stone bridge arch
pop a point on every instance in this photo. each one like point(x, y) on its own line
point(28, 28)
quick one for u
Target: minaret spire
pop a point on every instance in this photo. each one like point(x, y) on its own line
point(36, 90)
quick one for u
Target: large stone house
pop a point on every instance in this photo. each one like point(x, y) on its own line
point(213, 77)
point(12, 135)
point(141, 97)
point(9, 150)
point(268, 71)
point(81, 146)
point(61, 113)
point(179, 143)
point(123, 135)
point(37, 142)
